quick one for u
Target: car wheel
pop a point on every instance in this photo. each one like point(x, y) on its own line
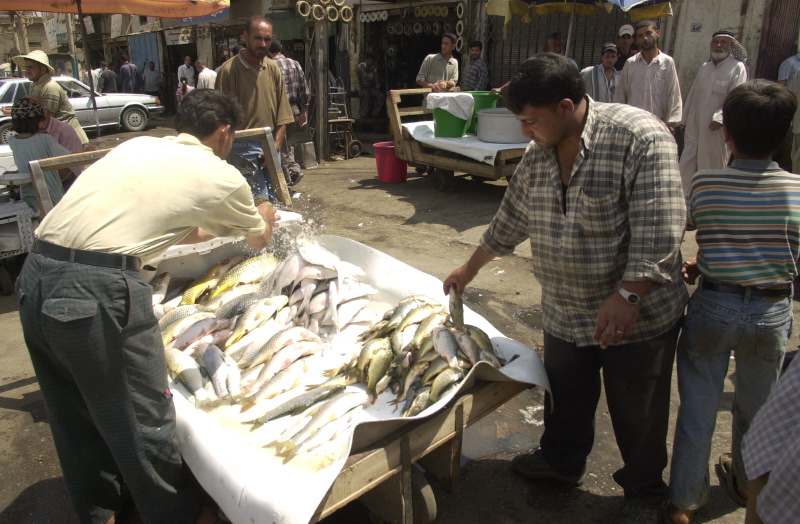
point(134, 119)
point(5, 132)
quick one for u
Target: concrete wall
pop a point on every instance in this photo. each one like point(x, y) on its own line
point(697, 21)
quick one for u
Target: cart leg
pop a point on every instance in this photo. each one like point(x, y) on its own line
point(416, 503)
point(444, 463)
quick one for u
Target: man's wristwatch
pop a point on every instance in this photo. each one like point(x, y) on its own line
point(631, 298)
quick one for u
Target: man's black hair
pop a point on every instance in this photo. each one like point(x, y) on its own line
point(476, 43)
point(123, 58)
point(645, 23)
point(758, 115)
point(276, 46)
point(545, 80)
point(450, 36)
point(202, 111)
point(249, 23)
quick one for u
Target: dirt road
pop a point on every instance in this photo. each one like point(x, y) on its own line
point(434, 232)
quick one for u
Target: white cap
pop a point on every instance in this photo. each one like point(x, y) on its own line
point(627, 29)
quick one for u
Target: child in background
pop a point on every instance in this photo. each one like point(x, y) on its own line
point(29, 144)
point(747, 217)
point(183, 89)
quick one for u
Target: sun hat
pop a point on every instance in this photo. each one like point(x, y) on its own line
point(36, 56)
point(627, 29)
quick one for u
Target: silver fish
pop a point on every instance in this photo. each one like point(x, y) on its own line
point(456, 308)
point(185, 370)
point(160, 284)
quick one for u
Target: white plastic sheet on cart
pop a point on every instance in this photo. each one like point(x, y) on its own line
point(248, 481)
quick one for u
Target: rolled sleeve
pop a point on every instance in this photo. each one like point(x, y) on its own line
point(657, 213)
point(235, 216)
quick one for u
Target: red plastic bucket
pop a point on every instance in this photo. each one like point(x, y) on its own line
point(390, 168)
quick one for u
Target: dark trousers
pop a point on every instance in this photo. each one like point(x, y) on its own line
point(637, 379)
point(99, 359)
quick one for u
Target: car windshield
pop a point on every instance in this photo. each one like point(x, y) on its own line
point(74, 89)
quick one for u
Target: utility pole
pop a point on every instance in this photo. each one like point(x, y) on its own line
point(72, 53)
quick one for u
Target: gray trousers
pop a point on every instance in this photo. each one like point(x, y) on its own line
point(288, 164)
point(99, 359)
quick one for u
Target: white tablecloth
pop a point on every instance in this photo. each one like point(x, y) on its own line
point(469, 146)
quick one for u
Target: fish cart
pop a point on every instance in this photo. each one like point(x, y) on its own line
point(466, 155)
point(377, 461)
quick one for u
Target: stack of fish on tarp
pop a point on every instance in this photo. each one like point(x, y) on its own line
point(294, 343)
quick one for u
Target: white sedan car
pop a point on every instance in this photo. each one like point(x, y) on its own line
point(130, 111)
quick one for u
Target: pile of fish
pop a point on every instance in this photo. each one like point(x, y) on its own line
point(421, 352)
point(270, 336)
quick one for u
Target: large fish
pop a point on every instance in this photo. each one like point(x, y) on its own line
point(179, 313)
point(297, 404)
point(288, 378)
point(275, 343)
point(209, 280)
point(446, 345)
point(254, 269)
point(200, 329)
point(456, 308)
point(174, 330)
point(185, 370)
point(238, 305)
point(213, 361)
point(255, 316)
point(378, 368)
point(284, 274)
point(442, 382)
point(282, 359)
point(335, 408)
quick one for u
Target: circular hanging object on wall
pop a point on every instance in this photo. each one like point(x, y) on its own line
point(318, 12)
point(362, 17)
point(303, 8)
point(447, 27)
point(459, 28)
point(338, 3)
point(445, 11)
point(427, 28)
point(398, 28)
point(417, 11)
point(436, 27)
point(391, 50)
point(324, 2)
point(390, 29)
point(308, 32)
point(417, 28)
point(384, 15)
point(459, 44)
point(460, 10)
point(332, 13)
point(346, 13)
point(408, 29)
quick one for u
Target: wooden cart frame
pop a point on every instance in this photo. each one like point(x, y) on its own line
point(444, 164)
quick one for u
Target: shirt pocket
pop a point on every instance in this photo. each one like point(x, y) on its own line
point(599, 215)
point(720, 87)
point(70, 309)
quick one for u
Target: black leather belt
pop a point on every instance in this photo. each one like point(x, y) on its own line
point(733, 289)
point(91, 258)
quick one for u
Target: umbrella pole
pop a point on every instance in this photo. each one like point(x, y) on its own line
point(569, 31)
point(88, 65)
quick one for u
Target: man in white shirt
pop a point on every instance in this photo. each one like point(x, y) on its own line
point(601, 79)
point(787, 70)
point(439, 71)
point(704, 143)
point(186, 69)
point(649, 79)
point(205, 76)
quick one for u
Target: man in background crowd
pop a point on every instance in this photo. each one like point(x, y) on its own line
point(153, 80)
point(368, 85)
point(649, 79)
point(186, 69)
point(36, 66)
point(704, 144)
point(297, 91)
point(555, 44)
point(255, 80)
point(108, 80)
point(601, 79)
point(206, 77)
point(439, 71)
point(129, 76)
point(787, 70)
point(624, 46)
point(478, 73)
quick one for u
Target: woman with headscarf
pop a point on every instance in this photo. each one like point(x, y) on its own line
point(29, 144)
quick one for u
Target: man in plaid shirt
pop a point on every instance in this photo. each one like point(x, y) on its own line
point(478, 73)
point(598, 194)
point(297, 91)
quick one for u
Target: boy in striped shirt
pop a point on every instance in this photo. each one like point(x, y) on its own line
point(747, 218)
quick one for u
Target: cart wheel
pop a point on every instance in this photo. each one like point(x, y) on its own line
point(441, 180)
point(337, 146)
point(423, 499)
point(354, 148)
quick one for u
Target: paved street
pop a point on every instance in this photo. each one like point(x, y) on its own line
point(434, 232)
